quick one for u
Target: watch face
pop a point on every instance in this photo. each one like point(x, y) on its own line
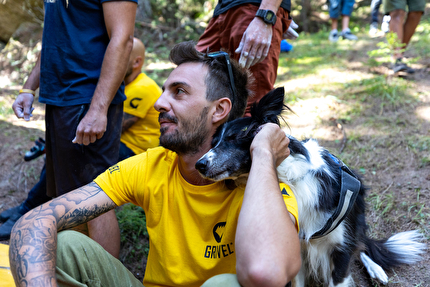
point(269, 15)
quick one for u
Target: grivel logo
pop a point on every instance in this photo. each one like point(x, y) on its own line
point(218, 231)
point(221, 250)
point(135, 102)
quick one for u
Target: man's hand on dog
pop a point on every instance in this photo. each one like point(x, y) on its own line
point(271, 138)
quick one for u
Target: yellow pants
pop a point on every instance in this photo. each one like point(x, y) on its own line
point(6, 279)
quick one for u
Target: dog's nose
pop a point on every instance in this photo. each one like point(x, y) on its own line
point(202, 165)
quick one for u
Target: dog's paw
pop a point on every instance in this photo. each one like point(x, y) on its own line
point(374, 270)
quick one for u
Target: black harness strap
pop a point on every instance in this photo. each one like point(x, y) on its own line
point(350, 187)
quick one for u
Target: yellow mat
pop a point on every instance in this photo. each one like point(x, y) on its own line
point(6, 279)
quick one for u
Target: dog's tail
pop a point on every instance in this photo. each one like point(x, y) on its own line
point(401, 248)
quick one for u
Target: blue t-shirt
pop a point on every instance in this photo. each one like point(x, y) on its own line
point(73, 46)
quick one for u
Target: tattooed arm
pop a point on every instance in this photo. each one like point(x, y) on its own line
point(33, 242)
point(127, 121)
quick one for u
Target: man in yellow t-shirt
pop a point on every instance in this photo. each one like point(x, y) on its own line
point(140, 127)
point(201, 232)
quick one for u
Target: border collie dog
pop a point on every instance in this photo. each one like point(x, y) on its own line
point(330, 201)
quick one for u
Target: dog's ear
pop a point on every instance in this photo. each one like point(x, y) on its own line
point(269, 107)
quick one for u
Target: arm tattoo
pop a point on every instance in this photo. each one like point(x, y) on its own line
point(128, 120)
point(33, 243)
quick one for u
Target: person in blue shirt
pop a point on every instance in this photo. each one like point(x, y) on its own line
point(85, 49)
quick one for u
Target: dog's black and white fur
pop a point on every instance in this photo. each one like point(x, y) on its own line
point(314, 176)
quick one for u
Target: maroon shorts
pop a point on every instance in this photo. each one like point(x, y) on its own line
point(225, 32)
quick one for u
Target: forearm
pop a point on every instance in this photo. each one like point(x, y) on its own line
point(32, 250)
point(265, 227)
point(127, 121)
point(33, 242)
point(112, 73)
point(33, 79)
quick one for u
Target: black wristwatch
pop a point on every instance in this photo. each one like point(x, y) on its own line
point(268, 16)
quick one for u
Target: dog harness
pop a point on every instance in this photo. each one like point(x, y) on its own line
point(350, 187)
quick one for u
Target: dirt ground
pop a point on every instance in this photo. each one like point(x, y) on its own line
point(392, 151)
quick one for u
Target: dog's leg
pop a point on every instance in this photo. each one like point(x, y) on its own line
point(375, 271)
point(347, 282)
point(340, 276)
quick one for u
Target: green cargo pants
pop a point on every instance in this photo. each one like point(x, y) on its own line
point(83, 262)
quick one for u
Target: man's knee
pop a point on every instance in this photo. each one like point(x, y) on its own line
point(398, 14)
point(226, 280)
point(71, 247)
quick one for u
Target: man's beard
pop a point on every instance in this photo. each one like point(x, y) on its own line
point(191, 136)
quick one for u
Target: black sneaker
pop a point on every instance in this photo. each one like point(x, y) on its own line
point(399, 66)
point(6, 228)
point(35, 151)
point(5, 215)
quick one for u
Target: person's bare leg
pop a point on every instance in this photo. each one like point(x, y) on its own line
point(333, 23)
point(396, 26)
point(345, 22)
point(410, 26)
point(105, 231)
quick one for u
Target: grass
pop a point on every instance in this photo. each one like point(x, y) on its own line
point(134, 236)
point(338, 81)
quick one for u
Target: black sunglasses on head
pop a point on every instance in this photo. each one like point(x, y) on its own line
point(230, 71)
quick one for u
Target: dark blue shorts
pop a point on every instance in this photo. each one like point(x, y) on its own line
point(69, 165)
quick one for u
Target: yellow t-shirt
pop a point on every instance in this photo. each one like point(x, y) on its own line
point(142, 94)
point(191, 228)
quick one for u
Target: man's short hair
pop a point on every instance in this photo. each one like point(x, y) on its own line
point(217, 81)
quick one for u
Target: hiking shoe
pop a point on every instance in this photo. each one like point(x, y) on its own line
point(5, 215)
point(334, 36)
point(385, 26)
point(35, 151)
point(347, 35)
point(6, 228)
point(399, 66)
point(373, 30)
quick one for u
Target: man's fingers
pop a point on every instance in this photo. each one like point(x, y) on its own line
point(239, 49)
point(294, 25)
point(86, 140)
point(19, 112)
point(22, 106)
point(28, 113)
point(93, 138)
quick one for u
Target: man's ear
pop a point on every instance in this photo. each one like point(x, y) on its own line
point(137, 62)
point(222, 110)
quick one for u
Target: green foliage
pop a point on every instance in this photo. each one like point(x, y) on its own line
point(5, 109)
point(393, 91)
point(388, 48)
point(421, 39)
point(419, 143)
point(175, 13)
point(134, 236)
point(382, 203)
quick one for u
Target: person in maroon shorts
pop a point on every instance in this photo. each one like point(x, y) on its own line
point(251, 31)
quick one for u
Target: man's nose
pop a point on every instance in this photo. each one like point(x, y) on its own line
point(162, 105)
